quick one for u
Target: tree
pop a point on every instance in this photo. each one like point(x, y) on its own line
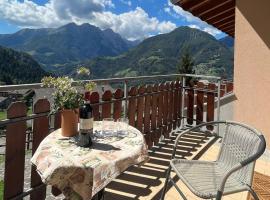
point(185, 66)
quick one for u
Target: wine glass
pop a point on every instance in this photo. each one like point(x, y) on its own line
point(122, 126)
point(108, 127)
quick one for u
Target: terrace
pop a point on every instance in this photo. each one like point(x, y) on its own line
point(159, 106)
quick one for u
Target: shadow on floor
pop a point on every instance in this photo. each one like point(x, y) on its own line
point(145, 182)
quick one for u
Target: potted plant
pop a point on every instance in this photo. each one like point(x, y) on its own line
point(67, 100)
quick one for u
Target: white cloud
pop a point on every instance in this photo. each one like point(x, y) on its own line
point(171, 12)
point(135, 24)
point(212, 31)
point(165, 27)
point(167, 9)
point(80, 8)
point(128, 3)
point(194, 26)
point(181, 13)
point(28, 14)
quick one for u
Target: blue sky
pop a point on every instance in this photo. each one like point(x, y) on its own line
point(133, 19)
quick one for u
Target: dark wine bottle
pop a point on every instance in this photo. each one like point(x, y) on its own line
point(86, 122)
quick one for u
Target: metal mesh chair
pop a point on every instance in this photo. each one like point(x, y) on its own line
point(232, 172)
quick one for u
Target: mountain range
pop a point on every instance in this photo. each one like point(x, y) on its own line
point(72, 43)
point(162, 53)
point(18, 67)
point(107, 54)
point(228, 41)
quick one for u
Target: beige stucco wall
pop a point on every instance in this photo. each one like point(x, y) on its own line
point(252, 64)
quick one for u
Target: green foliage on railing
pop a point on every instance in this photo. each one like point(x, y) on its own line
point(1, 189)
point(3, 115)
point(2, 159)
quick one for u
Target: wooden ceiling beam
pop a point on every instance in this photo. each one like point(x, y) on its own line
point(223, 21)
point(229, 30)
point(220, 18)
point(228, 24)
point(209, 6)
point(199, 4)
point(187, 4)
point(218, 13)
point(226, 5)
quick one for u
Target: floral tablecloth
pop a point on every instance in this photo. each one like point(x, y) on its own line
point(82, 172)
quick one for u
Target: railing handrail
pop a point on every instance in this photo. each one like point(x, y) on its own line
point(108, 80)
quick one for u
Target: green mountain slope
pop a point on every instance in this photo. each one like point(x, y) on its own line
point(54, 47)
point(228, 41)
point(161, 54)
point(17, 67)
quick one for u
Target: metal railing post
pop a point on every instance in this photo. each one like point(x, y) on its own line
point(183, 101)
point(218, 104)
point(226, 87)
point(125, 96)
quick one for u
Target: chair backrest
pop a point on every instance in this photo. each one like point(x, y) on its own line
point(239, 143)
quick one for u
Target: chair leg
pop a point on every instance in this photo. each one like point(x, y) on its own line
point(166, 183)
point(178, 189)
point(219, 195)
point(253, 193)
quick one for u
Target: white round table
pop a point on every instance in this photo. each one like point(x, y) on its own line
point(82, 172)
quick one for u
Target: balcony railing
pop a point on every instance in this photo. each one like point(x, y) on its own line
point(159, 105)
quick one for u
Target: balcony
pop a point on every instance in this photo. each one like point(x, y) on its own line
point(159, 106)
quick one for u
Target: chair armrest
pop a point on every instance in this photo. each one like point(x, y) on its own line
point(177, 141)
point(257, 154)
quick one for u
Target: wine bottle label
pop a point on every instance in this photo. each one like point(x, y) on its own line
point(86, 125)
